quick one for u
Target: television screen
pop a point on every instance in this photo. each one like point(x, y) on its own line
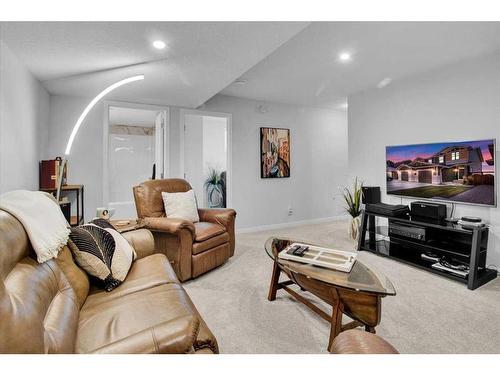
point(462, 172)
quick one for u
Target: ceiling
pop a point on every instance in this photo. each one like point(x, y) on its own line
point(201, 58)
point(287, 62)
point(306, 70)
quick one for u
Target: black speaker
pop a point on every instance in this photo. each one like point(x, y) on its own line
point(66, 210)
point(371, 194)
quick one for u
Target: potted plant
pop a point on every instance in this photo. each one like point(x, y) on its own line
point(214, 187)
point(352, 199)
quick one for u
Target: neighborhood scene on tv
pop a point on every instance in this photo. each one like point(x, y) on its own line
point(458, 171)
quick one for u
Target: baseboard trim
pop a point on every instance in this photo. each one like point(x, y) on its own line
point(290, 224)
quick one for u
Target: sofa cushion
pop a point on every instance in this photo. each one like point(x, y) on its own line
point(102, 252)
point(118, 318)
point(145, 273)
point(204, 231)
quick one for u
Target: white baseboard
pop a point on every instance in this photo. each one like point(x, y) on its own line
point(291, 224)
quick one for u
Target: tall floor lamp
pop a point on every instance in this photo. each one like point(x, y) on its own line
point(82, 117)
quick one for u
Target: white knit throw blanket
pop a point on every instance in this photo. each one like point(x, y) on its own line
point(42, 219)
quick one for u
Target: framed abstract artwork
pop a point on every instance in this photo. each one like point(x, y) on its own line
point(274, 153)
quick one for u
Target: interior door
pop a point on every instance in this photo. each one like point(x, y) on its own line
point(206, 157)
point(137, 149)
point(159, 165)
point(193, 155)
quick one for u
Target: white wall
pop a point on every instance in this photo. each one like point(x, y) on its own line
point(85, 160)
point(318, 162)
point(318, 157)
point(459, 102)
point(24, 106)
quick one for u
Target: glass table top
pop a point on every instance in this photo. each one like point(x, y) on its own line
point(361, 278)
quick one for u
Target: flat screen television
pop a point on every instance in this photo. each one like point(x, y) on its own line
point(459, 172)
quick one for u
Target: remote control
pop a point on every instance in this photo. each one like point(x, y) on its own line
point(300, 252)
point(293, 249)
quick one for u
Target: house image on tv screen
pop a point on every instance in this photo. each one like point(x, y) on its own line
point(461, 172)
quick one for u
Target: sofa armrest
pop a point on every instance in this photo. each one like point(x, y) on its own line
point(142, 241)
point(222, 216)
point(168, 225)
point(173, 337)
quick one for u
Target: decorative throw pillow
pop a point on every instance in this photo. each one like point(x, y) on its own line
point(181, 205)
point(102, 252)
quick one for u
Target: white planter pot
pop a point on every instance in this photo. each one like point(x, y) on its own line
point(353, 227)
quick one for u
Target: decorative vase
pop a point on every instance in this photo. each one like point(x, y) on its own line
point(215, 196)
point(353, 228)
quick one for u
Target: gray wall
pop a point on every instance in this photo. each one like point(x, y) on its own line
point(318, 161)
point(85, 160)
point(318, 153)
point(459, 102)
point(24, 106)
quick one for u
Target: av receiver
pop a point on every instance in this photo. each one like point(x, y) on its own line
point(407, 231)
point(428, 210)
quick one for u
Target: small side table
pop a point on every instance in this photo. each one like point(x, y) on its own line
point(78, 189)
point(133, 224)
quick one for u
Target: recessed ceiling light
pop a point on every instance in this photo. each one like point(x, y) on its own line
point(241, 81)
point(159, 44)
point(384, 82)
point(345, 56)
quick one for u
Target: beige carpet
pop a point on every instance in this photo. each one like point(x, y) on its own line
point(429, 314)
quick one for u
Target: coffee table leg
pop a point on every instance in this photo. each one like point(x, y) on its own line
point(370, 329)
point(336, 322)
point(274, 282)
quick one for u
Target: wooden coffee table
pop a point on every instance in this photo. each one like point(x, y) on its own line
point(357, 294)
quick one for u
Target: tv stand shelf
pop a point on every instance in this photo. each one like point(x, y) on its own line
point(442, 238)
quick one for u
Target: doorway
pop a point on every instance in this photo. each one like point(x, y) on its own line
point(135, 150)
point(206, 156)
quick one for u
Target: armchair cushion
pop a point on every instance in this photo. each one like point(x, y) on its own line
point(204, 230)
point(181, 205)
point(355, 341)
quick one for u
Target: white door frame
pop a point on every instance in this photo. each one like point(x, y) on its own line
point(105, 135)
point(229, 172)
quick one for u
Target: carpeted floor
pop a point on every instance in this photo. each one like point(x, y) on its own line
point(429, 314)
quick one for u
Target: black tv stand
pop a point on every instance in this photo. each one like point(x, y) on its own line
point(466, 246)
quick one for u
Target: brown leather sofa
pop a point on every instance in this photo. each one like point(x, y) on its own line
point(193, 249)
point(355, 341)
point(50, 307)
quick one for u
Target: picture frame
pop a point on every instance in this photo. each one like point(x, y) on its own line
point(274, 152)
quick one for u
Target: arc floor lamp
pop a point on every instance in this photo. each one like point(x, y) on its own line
point(79, 122)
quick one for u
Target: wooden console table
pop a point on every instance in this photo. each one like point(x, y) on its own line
point(357, 293)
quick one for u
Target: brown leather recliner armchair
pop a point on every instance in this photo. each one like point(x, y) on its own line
point(193, 249)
